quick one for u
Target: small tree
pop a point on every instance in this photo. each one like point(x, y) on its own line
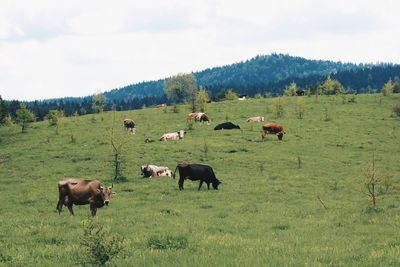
point(98, 103)
point(375, 183)
point(387, 88)
point(24, 117)
point(182, 87)
point(54, 117)
point(231, 95)
point(331, 87)
point(201, 99)
point(291, 89)
point(300, 108)
point(117, 145)
point(278, 107)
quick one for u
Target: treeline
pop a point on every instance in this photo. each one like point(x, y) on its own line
point(75, 106)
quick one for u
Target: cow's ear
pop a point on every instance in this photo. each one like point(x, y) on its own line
point(113, 193)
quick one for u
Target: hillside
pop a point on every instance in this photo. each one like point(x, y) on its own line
point(260, 71)
point(267, 211)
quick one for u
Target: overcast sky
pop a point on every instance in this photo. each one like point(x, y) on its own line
point(75, 48)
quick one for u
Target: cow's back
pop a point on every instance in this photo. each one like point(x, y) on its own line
point(273, 127)
point(79, 190)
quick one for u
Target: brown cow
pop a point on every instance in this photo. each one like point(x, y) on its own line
point(129, 125)
point(81, 192)
point(272, 128)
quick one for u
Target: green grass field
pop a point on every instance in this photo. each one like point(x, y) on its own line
point(266, 213)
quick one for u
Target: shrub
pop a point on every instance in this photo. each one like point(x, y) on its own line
point(278, 107)
point(167, 242)
point(396, 109)
point(189, 123)
point(291, 89)
point(300, 108)
point(375, 183)
point(387, 88)
point(175, 109)
point(231, 95)
point(99, 247)
point(258, 96)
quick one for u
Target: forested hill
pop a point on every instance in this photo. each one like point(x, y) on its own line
point(261, 71)
point(260, 75)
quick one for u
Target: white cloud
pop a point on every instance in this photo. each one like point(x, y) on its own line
point(76, 48)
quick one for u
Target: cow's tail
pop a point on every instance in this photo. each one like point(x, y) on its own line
point(173, 174)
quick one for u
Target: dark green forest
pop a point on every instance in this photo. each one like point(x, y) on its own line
point(262, 75)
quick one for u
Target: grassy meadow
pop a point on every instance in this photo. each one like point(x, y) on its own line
point(268, 210)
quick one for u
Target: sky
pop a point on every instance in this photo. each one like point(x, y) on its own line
point(51, 49)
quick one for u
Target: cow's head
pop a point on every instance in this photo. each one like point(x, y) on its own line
point(181, 133)
point(280, 135)
point(105, 193)
point(216, 183)
point(262, 118)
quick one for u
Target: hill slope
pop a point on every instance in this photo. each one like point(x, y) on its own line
point(266, 212)
point(261, 70)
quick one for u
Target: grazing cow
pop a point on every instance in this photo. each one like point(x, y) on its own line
point(199, 116)
point(226, 125)
point(81, 192)
point(129, 125)
point(242, 97)
point(196, 172)
point(160, 105)
point(272, 128)
point(172, 136)
point(255, 119)
point(153, 171)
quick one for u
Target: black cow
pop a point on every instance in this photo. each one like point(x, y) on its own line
point(194, 172)
point(226, 125)
point(300, 92)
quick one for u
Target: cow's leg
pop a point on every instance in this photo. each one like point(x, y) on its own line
point(59, 206)
point(208, 185)
point(69, 205)
point(93, 210)
point(181, 180)
point(200, 184)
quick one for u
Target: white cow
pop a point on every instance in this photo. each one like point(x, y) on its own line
point(172, 136)
point(153, 171)
point(255, 119)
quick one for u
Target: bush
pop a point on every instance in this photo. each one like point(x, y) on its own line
point(258, 96)
point(396, 109)
point(175, 108)
point(231, 95)
point(278, 107)
point(300, 108)
point(99, 246)
point(189, 123)
point(167, 242)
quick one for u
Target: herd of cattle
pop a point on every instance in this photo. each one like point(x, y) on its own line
point(74, 191)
